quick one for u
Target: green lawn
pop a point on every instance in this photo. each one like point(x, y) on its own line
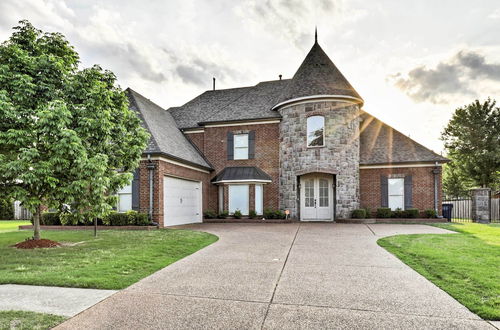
point(113, 260)
point(28, 320)
point(12, 225)
point(466, 265)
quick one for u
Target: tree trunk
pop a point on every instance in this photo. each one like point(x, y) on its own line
point(36, 222)
point(95, 227)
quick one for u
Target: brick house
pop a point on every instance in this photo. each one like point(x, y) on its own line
point(302, 144)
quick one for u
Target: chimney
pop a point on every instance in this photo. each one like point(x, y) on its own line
point(280, 76)
point(213, 83)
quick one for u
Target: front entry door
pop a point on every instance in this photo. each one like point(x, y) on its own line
point(316, 198)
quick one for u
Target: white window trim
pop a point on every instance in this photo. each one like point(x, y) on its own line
point(261, 206)
point(307, 131)
point(240, 148)
point(120, 194)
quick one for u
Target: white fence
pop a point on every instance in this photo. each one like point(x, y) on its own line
point(20, 213)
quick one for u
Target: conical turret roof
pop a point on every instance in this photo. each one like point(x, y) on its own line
point(317, 77)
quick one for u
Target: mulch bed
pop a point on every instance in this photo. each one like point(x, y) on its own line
point(39, 243)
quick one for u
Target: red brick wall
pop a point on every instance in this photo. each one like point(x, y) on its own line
point(214, 144)
point(163, 168)
point(423, 186)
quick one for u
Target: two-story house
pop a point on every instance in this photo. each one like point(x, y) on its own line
point(302, 144)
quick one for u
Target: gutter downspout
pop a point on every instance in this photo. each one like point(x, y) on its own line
point(151, 167)
point(436, 172)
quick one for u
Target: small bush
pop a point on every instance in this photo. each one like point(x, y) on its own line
point(223, 214)
point(142, 219)
point(412, 213)
point(278, 214)
point(50, 219)
point(269, 214)
point(209, 214)
point(252, 214)
point(358, 214)
point(237, 214)
point(368, 212)
point(398, 213)
point(384, 212)
point(430, 213)
point(118, 219)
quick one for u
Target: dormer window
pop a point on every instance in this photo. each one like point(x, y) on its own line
point(316, 131)
point(241, 146)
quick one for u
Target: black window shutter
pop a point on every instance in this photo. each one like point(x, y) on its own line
point(230, 145)
point(384, 191)
point(135, 191)
point(251, 145)
point(408, 192)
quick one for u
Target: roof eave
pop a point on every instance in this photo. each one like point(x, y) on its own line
point(302, 99)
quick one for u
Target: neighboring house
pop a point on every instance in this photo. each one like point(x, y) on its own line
point(302, 144)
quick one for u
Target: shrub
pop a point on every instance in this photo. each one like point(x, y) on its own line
point(237, 214)
point(430, 213)
point(118, 219)
point(278, 214)
point(368, 212)
point(142, 219)
point(269, 214)
point(252, 214)
point(358, 214)
point(398, 213)
point(223, 214)
point(384, 212)
point(412, 213)
point(209, 214)
point(6, 209)
point(50, 219)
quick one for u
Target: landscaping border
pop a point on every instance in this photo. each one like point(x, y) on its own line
point(394, 220)
point(24, 227)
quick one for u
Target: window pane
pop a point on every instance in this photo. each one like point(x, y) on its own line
point(323, 193)
point(125, 202)
point(240, 153)
point(309, 193)
point(258, 199)
point(241, 141)
point(126, 190)
point(315, 131)
point(396, 193)
point(238, 198)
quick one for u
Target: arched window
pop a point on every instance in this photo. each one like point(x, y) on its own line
point(316, 131)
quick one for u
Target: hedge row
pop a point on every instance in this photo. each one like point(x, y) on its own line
point(130, 218)
point(268, 214)
point(385, 212)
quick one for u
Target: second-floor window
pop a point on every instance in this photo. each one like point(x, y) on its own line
point(316, 131)
point(241, 146)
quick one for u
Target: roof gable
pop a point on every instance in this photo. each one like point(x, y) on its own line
point(166, 138)
point(382, 144)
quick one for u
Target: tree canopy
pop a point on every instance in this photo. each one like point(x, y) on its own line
point(472, 141)
point(67, 135)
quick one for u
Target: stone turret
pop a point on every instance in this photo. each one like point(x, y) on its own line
point(318, 88)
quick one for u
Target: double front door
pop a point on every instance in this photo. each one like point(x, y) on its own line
point(316, 197)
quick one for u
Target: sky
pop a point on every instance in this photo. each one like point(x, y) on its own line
point(413, 62)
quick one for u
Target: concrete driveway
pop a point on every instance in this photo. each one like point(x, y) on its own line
point(275, 276)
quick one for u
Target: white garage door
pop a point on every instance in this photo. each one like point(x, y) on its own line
point(182, 201)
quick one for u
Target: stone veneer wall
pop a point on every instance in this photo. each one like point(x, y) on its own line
point(339, 156)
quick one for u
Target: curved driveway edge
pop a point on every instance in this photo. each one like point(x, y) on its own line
point(298, 275)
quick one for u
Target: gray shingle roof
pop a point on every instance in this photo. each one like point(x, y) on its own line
point(166, 138)
point(236, 173)
point(244, 103)
point(317, 75)
point(382, 144)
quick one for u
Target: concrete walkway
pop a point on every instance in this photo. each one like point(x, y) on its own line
point(51, 300)
point(270, 276)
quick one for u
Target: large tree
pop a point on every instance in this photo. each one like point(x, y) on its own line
point(67, 135)
point(472, 140)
